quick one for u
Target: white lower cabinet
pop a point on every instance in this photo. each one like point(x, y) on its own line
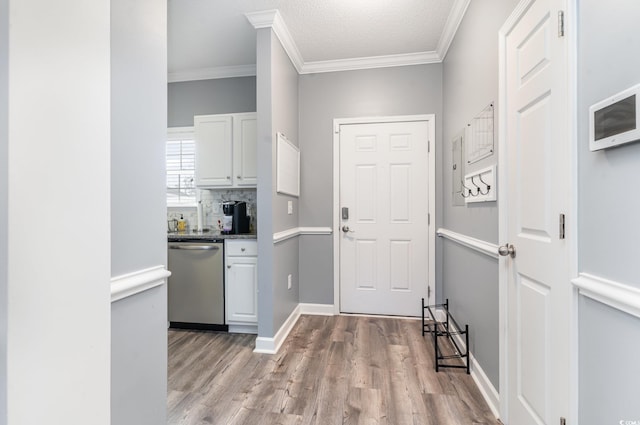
point(241, 282)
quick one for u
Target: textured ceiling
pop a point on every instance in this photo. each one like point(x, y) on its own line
point(206, 34)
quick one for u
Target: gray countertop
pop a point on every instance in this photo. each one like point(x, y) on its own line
point(174, 236)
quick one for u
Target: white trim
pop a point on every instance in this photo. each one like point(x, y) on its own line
point(571, 228)
point(614, 294)
point(483, 247)
point(297, 231)
point(130, 284)
point(352, 64)
point(451, 27)
point(272, 19)
point(180, 133)
point(243, 328)
point(286, 234)
point(316, 309)
point(272, 345)
point(315, 230)
point(488, 391)
point(337, 122)
point(502, 212)
point(212, 73)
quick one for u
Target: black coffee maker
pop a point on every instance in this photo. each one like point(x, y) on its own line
point(235, 220)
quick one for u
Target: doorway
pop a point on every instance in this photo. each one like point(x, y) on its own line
point(535, 203)
point(384, 223)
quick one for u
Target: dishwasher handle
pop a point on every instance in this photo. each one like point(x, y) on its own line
point(195, 247)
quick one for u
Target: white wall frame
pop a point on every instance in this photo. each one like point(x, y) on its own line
point(571, 227)
point(337, 122)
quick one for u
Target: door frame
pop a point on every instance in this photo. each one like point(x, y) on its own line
point(337, 122)
point(571, 114)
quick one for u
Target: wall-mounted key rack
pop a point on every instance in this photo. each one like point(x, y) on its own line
point(480, 185)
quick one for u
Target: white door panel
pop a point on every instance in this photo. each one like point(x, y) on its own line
point(537, 178)
point(384, 258)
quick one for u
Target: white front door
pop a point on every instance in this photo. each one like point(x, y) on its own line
point(384, 201)
point(536, 148)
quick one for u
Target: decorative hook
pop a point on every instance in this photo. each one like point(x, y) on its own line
point(470, 192)
point(478, 192)
point(485, 183)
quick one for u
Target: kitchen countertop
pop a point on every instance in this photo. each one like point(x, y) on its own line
point(177, 236)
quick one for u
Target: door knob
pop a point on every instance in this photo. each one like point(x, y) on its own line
point(346, 229)
point(507, 249)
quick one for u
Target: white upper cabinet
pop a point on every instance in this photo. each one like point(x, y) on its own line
point(226, 150)
point(245, 164)
point(214, 153)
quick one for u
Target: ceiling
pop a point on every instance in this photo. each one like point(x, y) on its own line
point(215, 38)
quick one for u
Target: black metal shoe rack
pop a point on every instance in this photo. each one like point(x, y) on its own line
point(443, 329)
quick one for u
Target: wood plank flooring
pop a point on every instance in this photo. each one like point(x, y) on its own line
point(330, 370)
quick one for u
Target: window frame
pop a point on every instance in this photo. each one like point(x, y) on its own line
point(175, 134)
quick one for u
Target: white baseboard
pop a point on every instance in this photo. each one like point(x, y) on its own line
point(267, 345)
point(243, 329)
point(272, 345)
point(317, 309)
point(488, 391)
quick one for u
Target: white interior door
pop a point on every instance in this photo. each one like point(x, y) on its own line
point(537, 180)
point(384, 241)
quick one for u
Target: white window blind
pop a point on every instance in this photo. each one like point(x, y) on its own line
point(181, 162)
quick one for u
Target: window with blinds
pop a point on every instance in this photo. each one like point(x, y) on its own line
point(181, 164)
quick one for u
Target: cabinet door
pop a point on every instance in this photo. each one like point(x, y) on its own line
point(245, 146)
point(242, 289)
point(213, 150)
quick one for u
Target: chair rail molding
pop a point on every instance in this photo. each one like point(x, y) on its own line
point(130, 284)
point(297, 231)
point(618, 295)
point(486, 248)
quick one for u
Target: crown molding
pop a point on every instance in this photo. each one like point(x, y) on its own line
point(212, 73)
point(387, 61)
point(272, 19)
point(451, 27)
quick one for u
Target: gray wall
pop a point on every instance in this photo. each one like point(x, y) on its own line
point(138, 132)
point(264, 190)
point(470, 84)
point(406, 90)
point(138, 207)
point(277, 102)
point(219, 96)
point(608, 365)
point(4, 202)
point(139, 358)
point(609, 340)
point(284, 101)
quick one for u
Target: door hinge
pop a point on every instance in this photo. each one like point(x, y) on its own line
point(561, 227)
point(563, 421)
point(428, 146)
point(428, 219)
point(429, 292)
point(561, 23)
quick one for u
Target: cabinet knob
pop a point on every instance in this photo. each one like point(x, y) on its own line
point(242, 249)
point(228, 266)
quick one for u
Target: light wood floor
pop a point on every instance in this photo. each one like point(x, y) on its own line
point(330, 370)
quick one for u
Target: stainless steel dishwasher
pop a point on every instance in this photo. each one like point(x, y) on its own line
point(196, 284)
